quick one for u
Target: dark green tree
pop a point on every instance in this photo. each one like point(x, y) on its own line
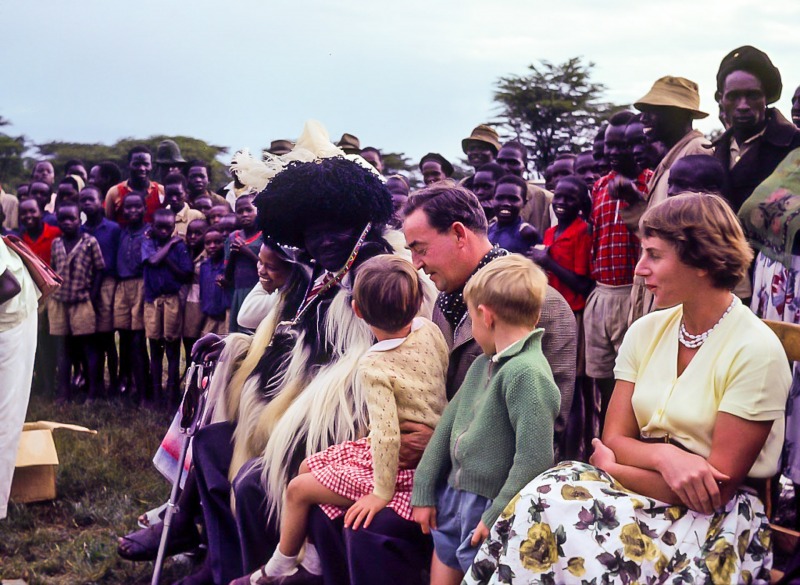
point(12, 163)
point(555, 108)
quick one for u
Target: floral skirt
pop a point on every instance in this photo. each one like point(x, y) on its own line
point(347, 469)
point(576, 524)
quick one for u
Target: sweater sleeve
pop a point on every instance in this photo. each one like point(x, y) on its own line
point(533, 400)
point(436, 459)
point(384, 426)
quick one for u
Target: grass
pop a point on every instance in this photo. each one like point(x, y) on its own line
point(104, 482)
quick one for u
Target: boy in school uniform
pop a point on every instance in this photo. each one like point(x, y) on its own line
point(507, 229)
point(77, 258)
point(129, 299)
point(107, 233)
point(496, 434)
point(192, 314)
point(175, 199)
point(167, 266)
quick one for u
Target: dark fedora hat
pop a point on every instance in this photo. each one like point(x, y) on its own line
point(755, 62)
point(447, 168)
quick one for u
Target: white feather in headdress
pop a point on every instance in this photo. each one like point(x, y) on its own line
point(314, 144)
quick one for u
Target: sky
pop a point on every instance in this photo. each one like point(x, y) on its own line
point(408, 76)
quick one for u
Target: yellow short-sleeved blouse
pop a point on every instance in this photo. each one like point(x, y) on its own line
point(741, 369)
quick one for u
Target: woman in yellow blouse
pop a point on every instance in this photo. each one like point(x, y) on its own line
point(693, 429)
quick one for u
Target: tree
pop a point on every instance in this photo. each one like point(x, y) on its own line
point(555, 108)
point(12, 166)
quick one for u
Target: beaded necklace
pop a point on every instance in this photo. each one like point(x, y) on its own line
point(695, 341)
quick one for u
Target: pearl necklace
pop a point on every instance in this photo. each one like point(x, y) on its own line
point(695, 341)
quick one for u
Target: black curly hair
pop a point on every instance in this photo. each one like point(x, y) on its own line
point(332, 189)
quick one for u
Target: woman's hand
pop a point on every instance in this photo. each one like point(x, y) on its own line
point(694, 480)
point(602, 457)
point(363, 511)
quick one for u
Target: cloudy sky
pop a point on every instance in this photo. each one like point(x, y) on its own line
point(411, 75)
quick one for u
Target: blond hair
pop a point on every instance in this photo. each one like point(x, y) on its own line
point(512, 286)
point(706, 234)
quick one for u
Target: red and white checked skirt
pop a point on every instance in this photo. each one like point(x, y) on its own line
point(347, 470)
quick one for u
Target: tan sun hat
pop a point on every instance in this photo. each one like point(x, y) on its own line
point(485, 134)
point(673, 92)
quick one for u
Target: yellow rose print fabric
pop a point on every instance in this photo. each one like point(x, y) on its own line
point(575, 524)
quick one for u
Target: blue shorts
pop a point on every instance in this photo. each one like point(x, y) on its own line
point(458, 514)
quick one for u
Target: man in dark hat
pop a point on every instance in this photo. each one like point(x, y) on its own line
point(349, 143)
point(280, 147)
point(481, 146)
point(168, 159)
point(758, 137)
point(435, 168)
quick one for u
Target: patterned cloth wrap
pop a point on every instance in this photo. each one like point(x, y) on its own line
point(576, 524)
point(347, 470)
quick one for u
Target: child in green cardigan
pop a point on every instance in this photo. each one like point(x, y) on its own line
point(497, 433)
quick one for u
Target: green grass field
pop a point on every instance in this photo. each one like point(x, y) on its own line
point(104, 482)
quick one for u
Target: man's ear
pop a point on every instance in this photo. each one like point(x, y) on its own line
point(460, 231)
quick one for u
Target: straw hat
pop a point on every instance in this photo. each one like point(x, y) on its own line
point(673, 92)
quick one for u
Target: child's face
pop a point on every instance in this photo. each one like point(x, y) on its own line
point(90, 202)
point(566, 203)
point(202, 204)
point(30, 217)
point(511, 160)
point(483, 186)
point(482, 333)
point(585, 169)
point(432, 172)
point(245, 212)
point(227, 224)
point(44, 171)
point(617, 152)
point(399, 191)
point(67, 192)
point(69, 220)
point(175, 197)
point(41, 192)
point(215, 214)
point(508, 202)
point(273, 271)
point(133, 209)
point(194, 233)
point(163, 228)
point(214, 243)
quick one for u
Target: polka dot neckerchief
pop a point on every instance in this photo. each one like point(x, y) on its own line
point(452, 304)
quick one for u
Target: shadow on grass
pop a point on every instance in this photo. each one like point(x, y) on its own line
point(104, 482)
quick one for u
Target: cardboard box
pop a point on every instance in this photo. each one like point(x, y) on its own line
point(37, 459)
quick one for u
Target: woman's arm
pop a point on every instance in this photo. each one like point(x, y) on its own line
point(699, 483)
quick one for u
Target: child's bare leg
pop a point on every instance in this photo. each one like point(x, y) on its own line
point(441, 574)
point(89, 344)
point(173, 349)
point(157, 367)
point(303, 492)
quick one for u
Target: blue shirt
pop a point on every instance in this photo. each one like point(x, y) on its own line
point(159, 280)
point(509, 238)
point(129, 253)
point(107, 234)
point(214, 300)
point(245, 269)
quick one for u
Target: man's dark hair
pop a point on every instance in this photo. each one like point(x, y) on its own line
point(110, 172)
point(96, 189)
point(63, 204)
point(566, 156)
point(495, 169)
point(519, 147)
point(164, 212)
point(601, 132)
point(71, 180)
point(372, 149)
point(176, 179)
point(622, 118)
point(710, 172)
point(73, 162)
point(515, 180)
point(199, 163)
point(139, 148)
point(445, 205)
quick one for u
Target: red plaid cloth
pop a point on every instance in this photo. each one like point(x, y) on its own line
point(615, 250)
point(347, 470)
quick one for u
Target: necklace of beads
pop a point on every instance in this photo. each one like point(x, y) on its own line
point(695, 341)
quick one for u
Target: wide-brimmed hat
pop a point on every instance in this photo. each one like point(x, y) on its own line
point(349, 143)
point(169, 153)
point(280, 146)
point(484, 134)
point(673, 92)
point(755, 62)
point(447, 168)
point(335, 189)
